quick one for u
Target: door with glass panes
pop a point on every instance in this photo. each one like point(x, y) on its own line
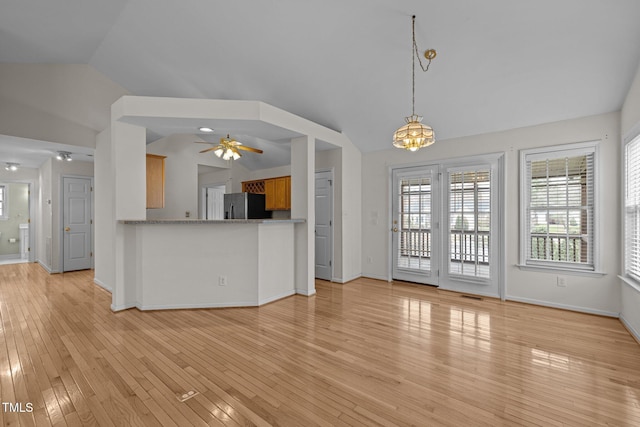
point(445, 225)
point(414, 220)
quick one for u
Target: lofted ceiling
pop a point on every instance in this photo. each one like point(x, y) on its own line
point(501, 64)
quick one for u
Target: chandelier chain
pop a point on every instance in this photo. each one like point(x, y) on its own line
point(429, 55)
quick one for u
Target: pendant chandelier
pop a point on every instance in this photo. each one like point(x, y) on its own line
point(414, 135)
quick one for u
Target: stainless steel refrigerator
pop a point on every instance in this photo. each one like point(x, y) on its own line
point(244, 206)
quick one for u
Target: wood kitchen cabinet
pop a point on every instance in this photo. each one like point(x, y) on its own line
point(277, 192)
point(155, 181)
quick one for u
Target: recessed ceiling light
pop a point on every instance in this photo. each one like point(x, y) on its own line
point(12, 166)
point(205, 129)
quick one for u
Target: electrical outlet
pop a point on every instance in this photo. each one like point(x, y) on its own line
point(561, 281)
point(187, 214)
point(222, 280)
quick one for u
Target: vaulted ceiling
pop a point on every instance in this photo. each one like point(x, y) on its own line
point(501, 64)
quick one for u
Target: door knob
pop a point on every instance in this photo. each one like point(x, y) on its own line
point(67, 229)
point(395, 229)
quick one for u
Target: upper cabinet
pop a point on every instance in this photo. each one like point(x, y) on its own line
point(277, 192)
point(155, 181)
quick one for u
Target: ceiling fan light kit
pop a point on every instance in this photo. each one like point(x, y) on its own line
point(414, 135)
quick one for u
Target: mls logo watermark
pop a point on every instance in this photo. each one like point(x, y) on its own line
point(17, 407)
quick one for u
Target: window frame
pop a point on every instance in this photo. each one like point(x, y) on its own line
point(555, 152)
point(629, 277)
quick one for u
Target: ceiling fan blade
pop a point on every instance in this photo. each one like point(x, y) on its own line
point(208, 149)
point(244, 147)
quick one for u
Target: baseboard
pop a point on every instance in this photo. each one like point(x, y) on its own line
point(347, 280)
point(46, 267)
point(306, 292)
point(102, 285)
point(376, 277)
point(277, 297)
point(196, 306)
point(634, 332)
point(9, 257)
point(121, 307)
point(564, 306)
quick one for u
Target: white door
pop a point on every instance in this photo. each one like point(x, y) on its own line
point(76, 223)
point(471, 229)
point(415, 224)
point(214, 202)
point(324, 225)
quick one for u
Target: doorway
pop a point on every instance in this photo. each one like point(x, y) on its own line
point(446, 225)
point(415, 221)
point(77, 222)
point(324, 224)
point(213, 202)
point(15, 222)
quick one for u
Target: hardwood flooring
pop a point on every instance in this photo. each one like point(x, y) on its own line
point(364, 353)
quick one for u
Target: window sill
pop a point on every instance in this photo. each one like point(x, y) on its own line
point(629, 281)
point(572, 271)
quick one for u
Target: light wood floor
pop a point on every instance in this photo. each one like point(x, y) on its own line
point(364, 353)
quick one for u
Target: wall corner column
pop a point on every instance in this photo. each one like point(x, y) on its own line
point(303, 206)
point(128, 157)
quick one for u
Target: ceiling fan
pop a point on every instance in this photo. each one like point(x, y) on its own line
point(228, 148)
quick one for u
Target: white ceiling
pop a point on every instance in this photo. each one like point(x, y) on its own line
point(501, 64)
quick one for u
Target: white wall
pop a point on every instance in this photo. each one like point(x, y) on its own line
point(630, 114)
point(630, 295)
point(352, 211)
point(104, 212)
point(591, 294)
point(44, 242)
point(231, 176)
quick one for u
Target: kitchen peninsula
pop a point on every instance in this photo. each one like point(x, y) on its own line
point(195, 263)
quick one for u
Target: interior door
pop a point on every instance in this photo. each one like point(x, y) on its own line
point(214, 202)
point(77, 238)
point(415, 224)
point(324, 225)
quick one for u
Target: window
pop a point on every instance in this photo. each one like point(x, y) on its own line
point(3, 201)
point(558, 207)
point(632, 209)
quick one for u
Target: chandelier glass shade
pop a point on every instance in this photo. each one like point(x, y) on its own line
point(414, 135)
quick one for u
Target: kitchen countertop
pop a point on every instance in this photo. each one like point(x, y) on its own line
point(212, 221)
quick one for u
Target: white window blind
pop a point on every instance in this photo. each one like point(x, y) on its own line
point(632, 209)
point(559, 208)
point(469, 222)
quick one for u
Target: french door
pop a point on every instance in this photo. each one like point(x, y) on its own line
point(415, 216)
point(446, 225)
